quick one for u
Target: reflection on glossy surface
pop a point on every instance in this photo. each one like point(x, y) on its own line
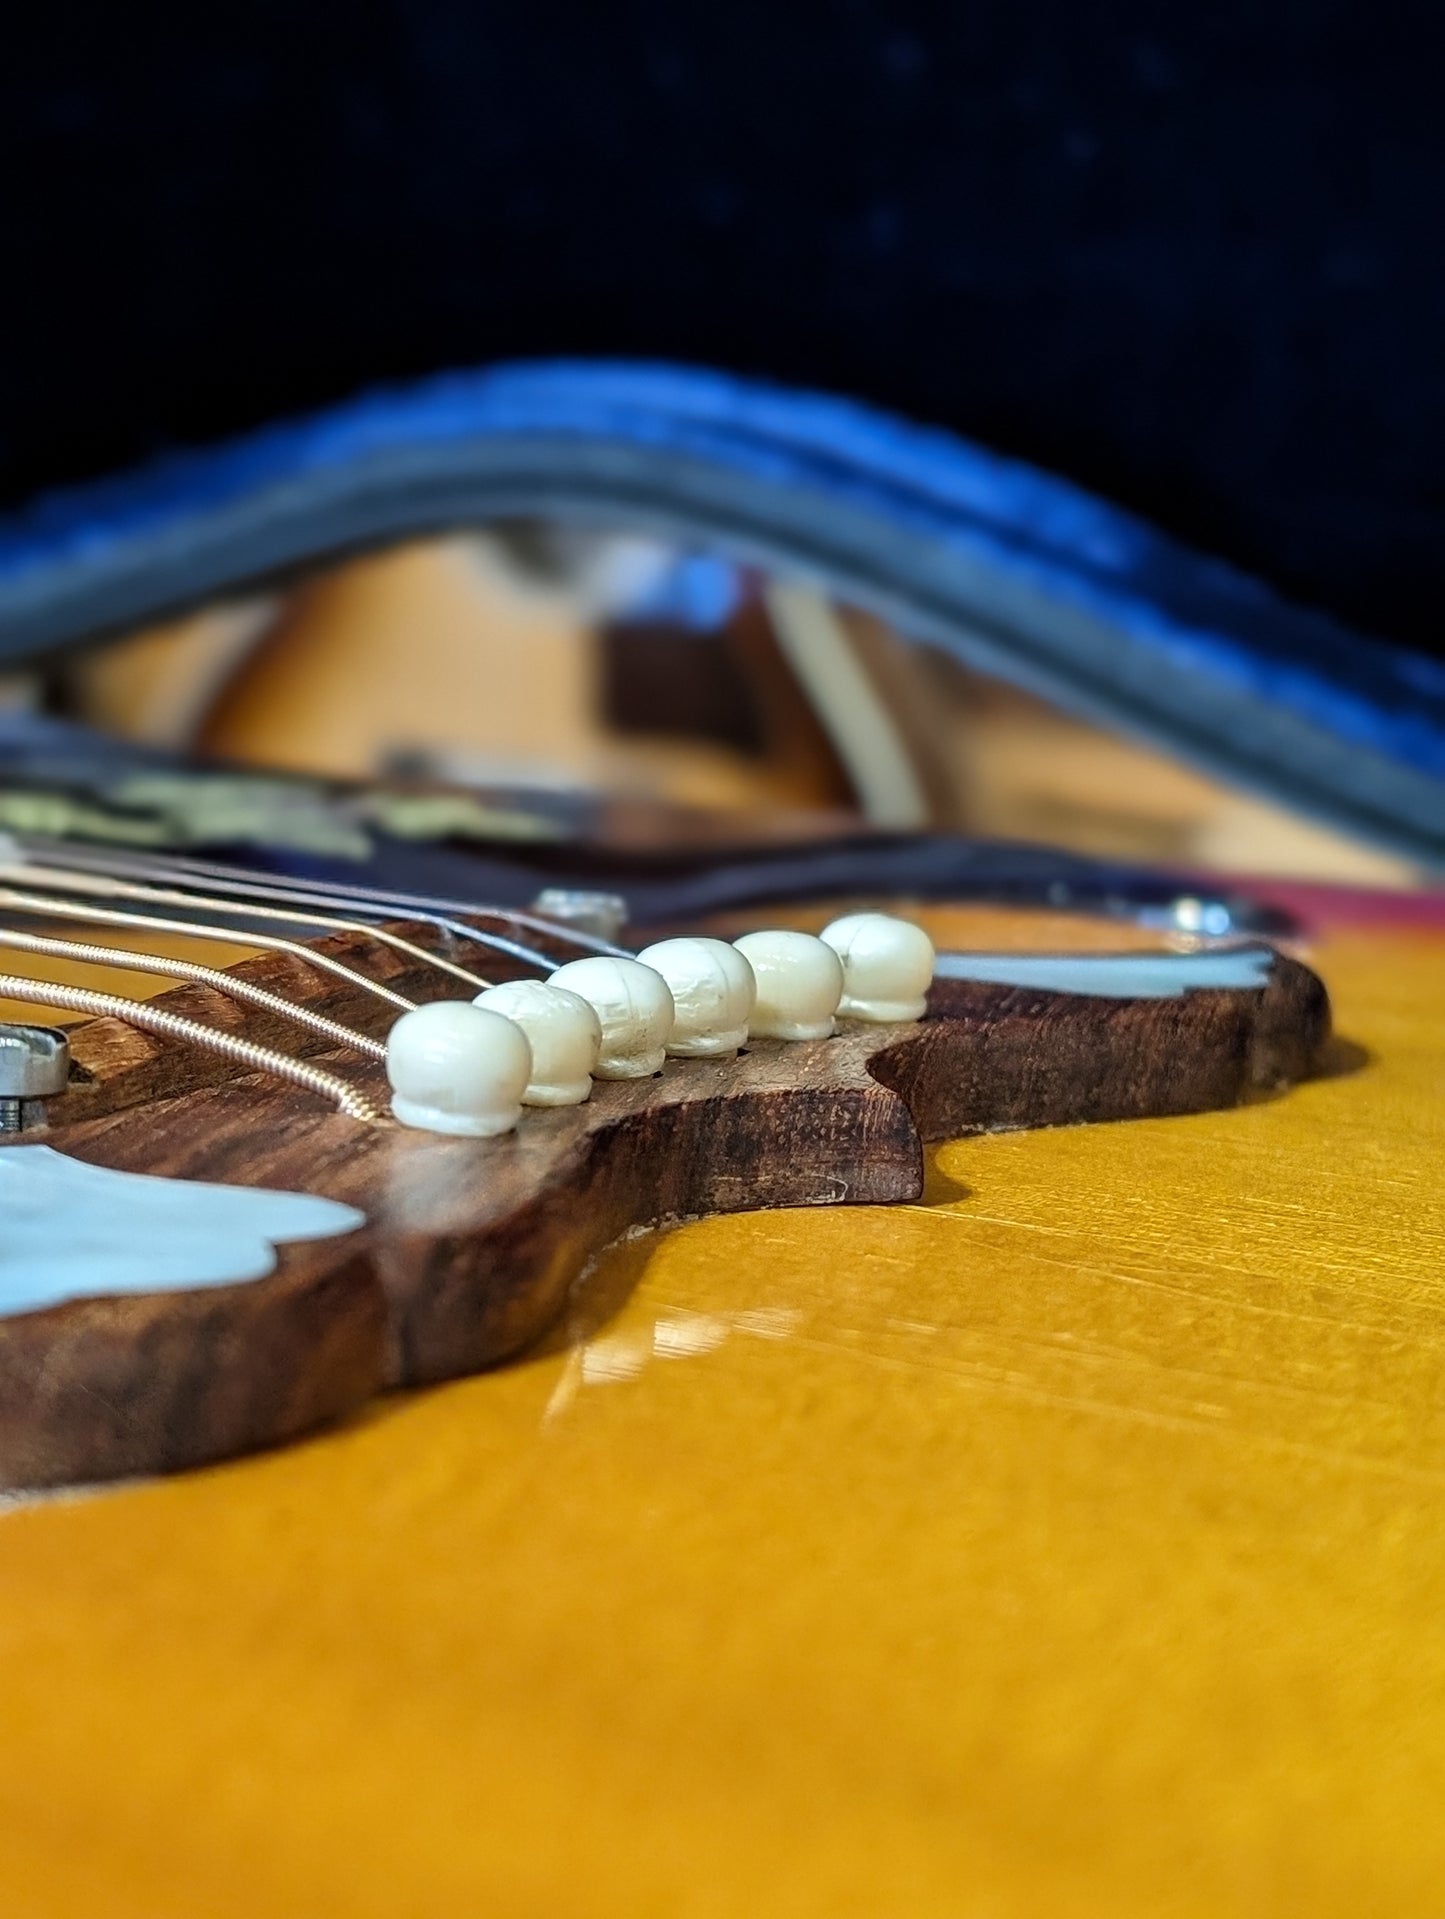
point(1067, 1544)
point(615, 1356)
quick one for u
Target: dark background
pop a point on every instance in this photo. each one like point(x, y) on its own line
point(1187, 255)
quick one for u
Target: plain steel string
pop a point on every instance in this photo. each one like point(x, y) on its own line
point(109, 859)
point(247, 882)
point(94, 885)
point(251, 883)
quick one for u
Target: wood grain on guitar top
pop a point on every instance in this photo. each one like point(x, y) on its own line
point(472, 1246)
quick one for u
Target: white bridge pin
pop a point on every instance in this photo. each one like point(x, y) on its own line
point(564, 1032)
point(713, 990)
point(799, 984)
point(887, 966)
point(457, 1068)
point(635, 1007)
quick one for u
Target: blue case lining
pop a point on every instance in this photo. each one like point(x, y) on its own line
point(1021, 573)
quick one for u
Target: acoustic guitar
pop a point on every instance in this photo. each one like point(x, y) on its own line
point(1056, 1512)
point(472, 1155)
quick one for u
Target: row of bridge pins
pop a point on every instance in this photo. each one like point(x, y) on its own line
point(469, 1067)
point(455, 1066)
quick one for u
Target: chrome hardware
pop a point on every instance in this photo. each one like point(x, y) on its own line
point(34, 1067)
point(603, 915)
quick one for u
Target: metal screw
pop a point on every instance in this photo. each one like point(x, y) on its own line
point(34, 1067)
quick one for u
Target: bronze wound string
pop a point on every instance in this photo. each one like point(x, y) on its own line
point(194, 900)
point(85, 952)
point(173, 1026)
point(42, 906)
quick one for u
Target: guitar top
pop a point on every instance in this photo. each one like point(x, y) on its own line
point(870, 1517)
point(566, 1355)
point(451, 1254)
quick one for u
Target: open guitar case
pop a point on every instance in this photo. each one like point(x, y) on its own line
point(1097, 346)
point(1100, 349)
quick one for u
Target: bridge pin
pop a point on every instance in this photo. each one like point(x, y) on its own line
point(713, 990)
point(564, 1032)
point(635, 1007)
point(799, 984)
point(458, 1068)
point(887, 966)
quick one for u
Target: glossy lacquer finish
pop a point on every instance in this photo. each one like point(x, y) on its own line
point(1070, 1543)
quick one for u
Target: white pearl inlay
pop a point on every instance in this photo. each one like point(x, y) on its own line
point(713, 990)
point(76, 1231)
point(799, 984)
point(563, 1031)
point(635, 1007)
point(1117, 975)
point(887, 966)
point(456, 1068)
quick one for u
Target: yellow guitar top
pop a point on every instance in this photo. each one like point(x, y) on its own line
point(1072, 1543)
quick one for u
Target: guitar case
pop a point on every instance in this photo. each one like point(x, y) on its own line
point(1101, 352)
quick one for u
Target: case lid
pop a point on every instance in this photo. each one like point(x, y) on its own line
point(1183, 260)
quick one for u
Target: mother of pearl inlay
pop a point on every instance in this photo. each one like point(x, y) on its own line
point(69, 1230)
point(1115, 975)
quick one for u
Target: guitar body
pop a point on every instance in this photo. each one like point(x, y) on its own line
point(965, 1503)
point(986, 1468)
point(1065, 1541)
point(471, 1248)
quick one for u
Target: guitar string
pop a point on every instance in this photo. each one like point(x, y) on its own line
point(83, 952)
point(91, 887)
point(166, 1025)
point(140, 865)
point(175, 1026)
point(40, 906)
point(252, 883)
point(247, 884)
point(101, 886)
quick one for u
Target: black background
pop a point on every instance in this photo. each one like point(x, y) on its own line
point(1189, 255)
